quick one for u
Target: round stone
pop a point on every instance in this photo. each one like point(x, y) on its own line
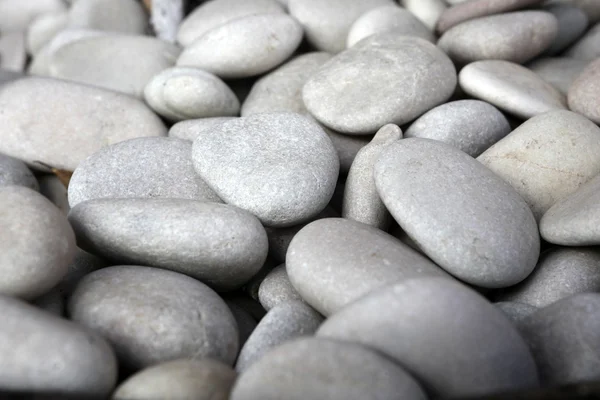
point(15, 172)
point(137, 168)
point(439, 320)
point(281, 167)
point(394, 80)
point(276, 289)
point(127, 16)
point(190, 129)
point(150, 315)
point(583, 92)
point(586, 48)
point(217, 244)
point(572, 23)
point(560, 72)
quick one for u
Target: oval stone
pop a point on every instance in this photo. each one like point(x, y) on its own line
point(384, 79)
point(127, 16)
point(276, 289)
point(560, 72)
point(61, 123)
point(334, 261)
point(583, 92)
point(281, 167)
point(217, 244)
point(586, 48)
point(15, 172)
point(191, 128)
point(438, 321)
point(150, 315)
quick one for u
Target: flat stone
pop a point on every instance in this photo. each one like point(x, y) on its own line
point(516, 312)
point(560, 273)
point(361, 200)
point(282, 323)
point(510, 87)
point(43, 28)
point(190, 129)
point(428, 11)
point(309, 368)
point(37, 243)
point(46, 353)
point(564, 339)
point(188, 93)
point(16, 15)
point(125, 16)
point(14, 172)
point(244, 47)
point(245, 322)
point(276, 289)
point(515, 36)
point(179, 379)
point(438, 321)
point(560, 72)
point(136, 168)
point(527, 157)
point(281, 89)
point(150, 315)
point(583, 91)
point(347, 147)
point(220, 245)
point(574, 220)
point(469, 10)
point(586, 48)
point(572, 23)
point(326, 24)
point(83, 264)
point(388, 18)
point(469, 125)
point(54, 190)
point(12, 51)
point(281, 167)
point(61, 123)
point(123, 63)
point(334, 261)
point(377, 96)
point(490, 237)
point(215, 13)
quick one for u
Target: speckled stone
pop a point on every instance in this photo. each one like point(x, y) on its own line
point(428, 11)
point(61, 123)
point(190, 129)
point(488, 238)
point(15, 172)
point(527, 158)
point(334, 261)
point(276, 289)
point(43, 28)
point(150, 315)
point(388, 18)
point(220, 245)
point(469, 125)
point(37, 243)
point(281, 167)
point(12, 51)
point(560, 72)
point(572, 23)
point(583, 92)
point(311, 368)
point(151, 167)
point(372, 100)
point(126, 16)
point(16, 15)
point(244, 47)
point(54, 190)
point(282, 323)
point(586, 48)
point(45, 353)
point(564, 339)
point(361, 200)
point(510, 87)
point(516, 312)
point(439, 320)
point(575, 220)
point(516, 37)
point(204, 379)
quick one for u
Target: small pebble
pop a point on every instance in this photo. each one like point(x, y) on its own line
point(54, 190)
point(586, 48)
point(560, 72)
point(125, 16)
point(276, 289)
point(16, 15)
point(428, 11)
point(583, 92)
point(14, 172)
point(572, 23)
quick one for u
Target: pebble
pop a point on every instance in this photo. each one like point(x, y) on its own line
point(125, 16)
point(564, 339)
point(590, 7)
point(149, 167)
point(37, 243)
point(361, 201)
point(347, 147)
point(276, 289)
point(16, 15)
point(428, 11)
point(123, 63)
point(326, 24)
point(561, 272)
point(572, 23)
point(188, 93)
point(516, 37)
point(547, 157)
point(374, 66)
point(44, 28)
point(281, 324)
point(191, 128)
point(388, 18)
point(516, 312)
point(54, 190)
point(586, 48)
point(334, 261)
point(44, 353)
point(220, 245)
point(489, 238)
point(560, 72)
point(281, 167)
point(583, 92)
point(71, 121)
point(15, 172)
point(438, 321)
point(151, 315)
point(469, 125)
point(210, 15)
point(510, 87)
point(204, 379)
point(12, 51)
point(575, 220)
point(244, 47)
point(311, 368)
